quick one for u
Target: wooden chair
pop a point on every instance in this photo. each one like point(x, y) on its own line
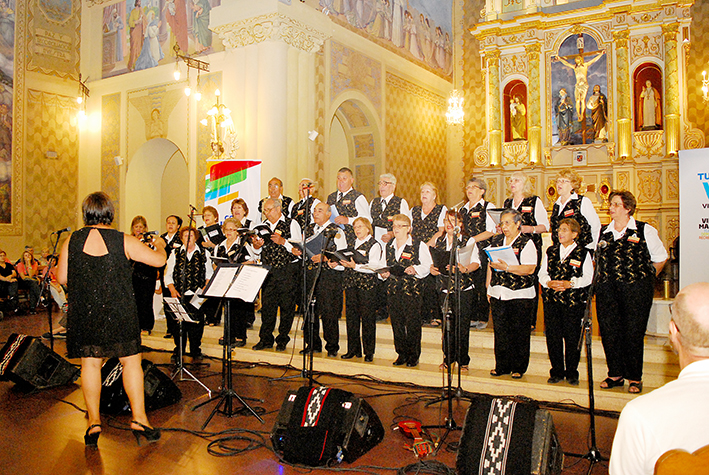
point(681, 462)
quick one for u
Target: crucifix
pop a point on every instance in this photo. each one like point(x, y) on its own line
point(580, 68)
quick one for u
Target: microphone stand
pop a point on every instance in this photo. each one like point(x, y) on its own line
point(46, 282)
point(593, 455)
point(453, 286)
point(180, 365)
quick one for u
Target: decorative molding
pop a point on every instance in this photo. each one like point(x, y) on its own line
point(415, 90)
point(514, 64)
point(672, 184)
point(623, 181)
point(621, 38)
point(650, 186)
point(482, 154)
point(693, 138)
point(645, 46)
point(672, 229)
point(515, 153)
point(273, 27)
point(95, 3)
point(648, 144)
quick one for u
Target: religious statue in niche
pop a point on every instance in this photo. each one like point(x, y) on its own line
point(650, 108)
point(577, 65)
point(518, 118)
point(598, 105)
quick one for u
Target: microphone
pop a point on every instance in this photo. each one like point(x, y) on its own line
point(65, 230)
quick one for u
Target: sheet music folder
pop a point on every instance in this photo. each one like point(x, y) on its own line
point(247, 281)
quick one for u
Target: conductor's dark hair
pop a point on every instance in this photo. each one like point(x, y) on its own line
point(97, 208)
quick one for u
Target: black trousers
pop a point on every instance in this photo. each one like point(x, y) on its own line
point(238, 314)
point(405, 315)
point(480, 305)
point(429, 298)
point(278, 292)
point(191, 331)
point(144, 290)
point(623, 310)
point(512, 338)
point(458, 328)
point(562, 324)
point(328, 308)
point(361, 311)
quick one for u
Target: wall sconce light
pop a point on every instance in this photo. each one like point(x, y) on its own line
point(191, 63)
point(705, 86)
point(222, 125)
point(81, 98)
point(455, 114)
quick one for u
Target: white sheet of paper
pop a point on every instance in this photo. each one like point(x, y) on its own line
point(502, 254)
point(246, 285)
point(178, 309)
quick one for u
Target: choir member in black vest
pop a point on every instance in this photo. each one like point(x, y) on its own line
point(210, 216)
point(240, 211)
point(360, 283)
point(565, 274)
point(510, 287)
point(350, 203)
point(630, 257)
point(171, 238)
point(460, 325)
point(189, 269)
point(278, 289)
point(328, 291)
point(534, 221)
point(571, 205)
point(144, 278)
point(481, 228)
point(404, 289)
point(275, 191)
point(384, 207)
point(306, 205)
point(234, 250)
point(427, 226)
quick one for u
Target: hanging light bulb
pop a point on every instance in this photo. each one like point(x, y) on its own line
point(177, 73)
point(188, 91)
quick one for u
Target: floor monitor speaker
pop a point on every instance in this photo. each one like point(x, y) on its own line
point(29, 362)
point(320, 426)
point(160, 390)
point(506, 436)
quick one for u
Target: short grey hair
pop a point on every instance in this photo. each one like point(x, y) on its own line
point(388, 177)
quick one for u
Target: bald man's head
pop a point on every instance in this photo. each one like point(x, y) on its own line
point(690, 312)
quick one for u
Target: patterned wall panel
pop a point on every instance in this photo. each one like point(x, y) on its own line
point(353, 70)
point(473, 83)
point(416, 137)
point(698, 61)
point(54, 28)
point(111, 148)
point(50, 184)
point(320, 91)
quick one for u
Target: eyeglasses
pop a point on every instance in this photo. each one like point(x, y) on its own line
point(470, 187)
point(561, 181)
point(385, 183)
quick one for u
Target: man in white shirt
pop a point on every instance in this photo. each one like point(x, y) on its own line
point(385, 207)
point(675, 416)
point(348, 203)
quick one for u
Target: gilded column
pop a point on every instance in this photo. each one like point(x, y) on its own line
point(625, 138)
point(493, 106)
point(672, 125)
point(534, 111)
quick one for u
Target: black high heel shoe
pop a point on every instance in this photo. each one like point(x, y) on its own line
point(91, 440)
point(150, 434)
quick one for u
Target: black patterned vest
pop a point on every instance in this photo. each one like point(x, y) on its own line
point(466, 279)
point(173, 244)
point(230, 253)
point(273, 254)
point(570, 267)
point(626, 260)
point(508, 279)
point(346, 207)
point(408, 284)
point(383, 218)
point(195, 276)
point(285, 203)
point(424, 229)
point(331, 245)
point(571, 210)
point(526, 209)
point(475, 221)
point(300, 209)
point(361, 280)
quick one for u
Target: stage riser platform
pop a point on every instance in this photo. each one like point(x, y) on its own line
point(660, 364)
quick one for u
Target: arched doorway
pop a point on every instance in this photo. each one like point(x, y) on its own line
point(157, 184)
point(355, 141)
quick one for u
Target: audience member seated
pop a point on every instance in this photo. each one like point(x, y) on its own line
point(675, 416)
point(8, 283)
point(28, 273)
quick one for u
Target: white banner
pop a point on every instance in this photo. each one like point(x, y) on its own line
point(693, 216)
